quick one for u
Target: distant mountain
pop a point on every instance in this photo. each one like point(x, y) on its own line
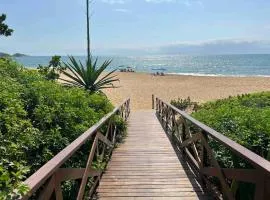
point(3, 54)
point(18, 55)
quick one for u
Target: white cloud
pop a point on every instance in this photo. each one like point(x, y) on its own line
point(114, 1)
point(122, 10)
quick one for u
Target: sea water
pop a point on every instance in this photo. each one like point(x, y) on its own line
point(199, 65)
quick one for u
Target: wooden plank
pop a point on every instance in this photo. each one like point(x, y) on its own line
point(162, 176)
point(150, 182)
point(156, 198)
point(65, 174)
point(147, 190)
point(155, 179)
point(150, 194)
point(134, 173)
point(145, 186)
point(146, 166)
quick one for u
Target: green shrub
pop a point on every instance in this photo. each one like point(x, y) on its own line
point(185, 104)
point(52, 71)
point(17, 135)
point(246, 120)
point(38, 118)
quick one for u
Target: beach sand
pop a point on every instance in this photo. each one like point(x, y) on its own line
point(140, 87)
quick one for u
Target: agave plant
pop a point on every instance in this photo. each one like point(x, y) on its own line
point(88, 76)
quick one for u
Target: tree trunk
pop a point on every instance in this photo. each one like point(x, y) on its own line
point(88, 31)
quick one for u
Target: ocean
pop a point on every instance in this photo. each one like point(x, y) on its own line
point(201, 65)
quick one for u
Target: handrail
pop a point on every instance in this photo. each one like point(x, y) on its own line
point(196, 147)
point(46, 172)
point(254, 158)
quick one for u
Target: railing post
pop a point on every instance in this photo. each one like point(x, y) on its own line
point(58, 190)
point(262, 186)
point(153, 101)
point(157, 105)
point(167, 118)
point(204, 155)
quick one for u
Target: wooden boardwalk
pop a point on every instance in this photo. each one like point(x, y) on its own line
point(146, 166)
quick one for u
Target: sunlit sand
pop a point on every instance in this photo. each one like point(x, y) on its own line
point(140, 86)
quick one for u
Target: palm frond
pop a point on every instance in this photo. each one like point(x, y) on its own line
point(103, 66)
point(71, 82)
point(75, 71)
point(71, 76)
point(106, 81)
point(88, 76)
point(107, 75)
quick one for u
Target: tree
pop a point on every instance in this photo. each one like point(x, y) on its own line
point(88, 76)
point(4, 29)
point(55, 62)
point(51, 72)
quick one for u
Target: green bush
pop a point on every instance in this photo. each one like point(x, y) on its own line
point(185, 104)
point(246, 120)
point(38, 118)
point(51, 72)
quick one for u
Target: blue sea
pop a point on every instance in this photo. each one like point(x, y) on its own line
point(201, 65)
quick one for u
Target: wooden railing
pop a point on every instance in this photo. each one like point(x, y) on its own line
point(193, 139)
point(46, 182)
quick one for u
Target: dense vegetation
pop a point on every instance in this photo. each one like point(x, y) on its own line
point(38, 118)
point(246, 120)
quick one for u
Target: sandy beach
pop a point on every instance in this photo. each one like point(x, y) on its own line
point(140, 87)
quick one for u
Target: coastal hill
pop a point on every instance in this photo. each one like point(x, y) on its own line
point(2, 54)
point(19, 55)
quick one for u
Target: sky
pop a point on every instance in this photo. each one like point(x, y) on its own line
point(127, 27)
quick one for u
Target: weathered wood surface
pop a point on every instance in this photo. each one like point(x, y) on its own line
point(146, 166)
